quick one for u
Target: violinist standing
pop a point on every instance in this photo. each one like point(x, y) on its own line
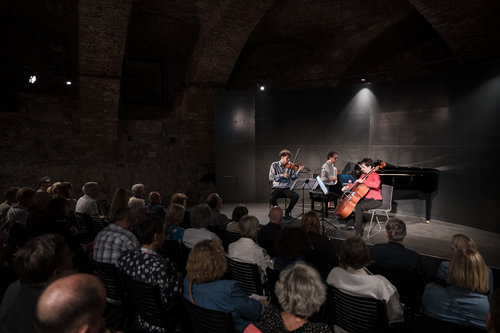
point(282, 173)
point(371, 200)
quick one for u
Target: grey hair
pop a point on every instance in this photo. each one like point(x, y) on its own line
point(249, 226)
point(300, 290)
point(136, 188)
point(88, 186)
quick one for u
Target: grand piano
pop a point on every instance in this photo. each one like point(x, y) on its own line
point(408, 182)
point(411, 183)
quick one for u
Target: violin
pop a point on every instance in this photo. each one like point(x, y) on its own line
point(296, 166)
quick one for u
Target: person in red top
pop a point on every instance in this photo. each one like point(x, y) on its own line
point(371, 200)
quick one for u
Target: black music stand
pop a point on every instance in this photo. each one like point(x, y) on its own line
point(303, 184)
point(323, 203)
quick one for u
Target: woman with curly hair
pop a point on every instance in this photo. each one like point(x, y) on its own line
point(203, 286)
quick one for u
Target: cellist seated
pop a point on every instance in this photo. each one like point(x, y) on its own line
point(372, 199)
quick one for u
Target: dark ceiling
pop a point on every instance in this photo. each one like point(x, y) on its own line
point(285, 44)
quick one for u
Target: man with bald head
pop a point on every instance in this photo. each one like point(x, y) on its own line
point(72, 304)
point(270, 232)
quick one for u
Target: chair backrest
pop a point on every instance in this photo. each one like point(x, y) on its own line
point(427, 324)
point(209, 321)
point(386, 193)
point(85, 227)
point(147, 303)
point(230, 237)
point(358, 314)
point(99, 223)
point(410, 286)
point(247, 275)
point(111, 279)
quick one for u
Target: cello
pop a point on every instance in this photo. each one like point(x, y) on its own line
point(356, 193)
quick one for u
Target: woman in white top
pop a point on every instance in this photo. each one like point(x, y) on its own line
point(245, 249)
point(352, 277)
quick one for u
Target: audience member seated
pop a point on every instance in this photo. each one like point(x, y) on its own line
point(401, 266)
point(181, 199)
point(393, 254)
point(138, 210)
point(159, 271)
point(58, 212)
point(269, 233)
point(10, 200)
point(300, 292)
point(200, 219)
point(64, 190)
point(119, 201)
point(41, 259)
point(463, 300)
point(323, 254)
point(39, 217)
point(203, 286)
point(87, 204)
point(111, 242)
point(154, 206)
point(218, 220)
point(19, 213)
point(245, 249)
point(72, 304)
point(461, 242)
point(352, 277)
point(493, 320)
point(291, 247)
point(17, 219)
point(174, 217)
point(44, 184)
point(138, 191)
point(238, 212)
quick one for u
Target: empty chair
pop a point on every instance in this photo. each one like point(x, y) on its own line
point(248, 277)
point(358, 314)
point(384, 209)
point(209, 321)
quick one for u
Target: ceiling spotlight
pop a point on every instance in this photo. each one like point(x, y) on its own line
point(262, 88)
point(68, 83)
point(32, 79)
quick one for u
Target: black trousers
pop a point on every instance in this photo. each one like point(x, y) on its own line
point(284, 193)
point(362, 205)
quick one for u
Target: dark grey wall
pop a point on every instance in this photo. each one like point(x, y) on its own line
point(448, 122)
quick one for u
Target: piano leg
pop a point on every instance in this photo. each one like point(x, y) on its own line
point(428, 208)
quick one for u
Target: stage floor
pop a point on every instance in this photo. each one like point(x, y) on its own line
point(427, 239)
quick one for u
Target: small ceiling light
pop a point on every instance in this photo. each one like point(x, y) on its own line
point(262, 88)
point(32, 79)
point(68, 83)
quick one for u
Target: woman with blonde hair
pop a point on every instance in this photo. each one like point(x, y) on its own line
point(463, 299)
point(203, 286)
point(461, 242)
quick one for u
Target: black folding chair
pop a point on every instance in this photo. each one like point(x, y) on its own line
point(358, 314)
point(209, 321)
point(248, 277)
point(147, 302)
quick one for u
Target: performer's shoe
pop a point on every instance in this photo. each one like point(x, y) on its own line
point(347, 227)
